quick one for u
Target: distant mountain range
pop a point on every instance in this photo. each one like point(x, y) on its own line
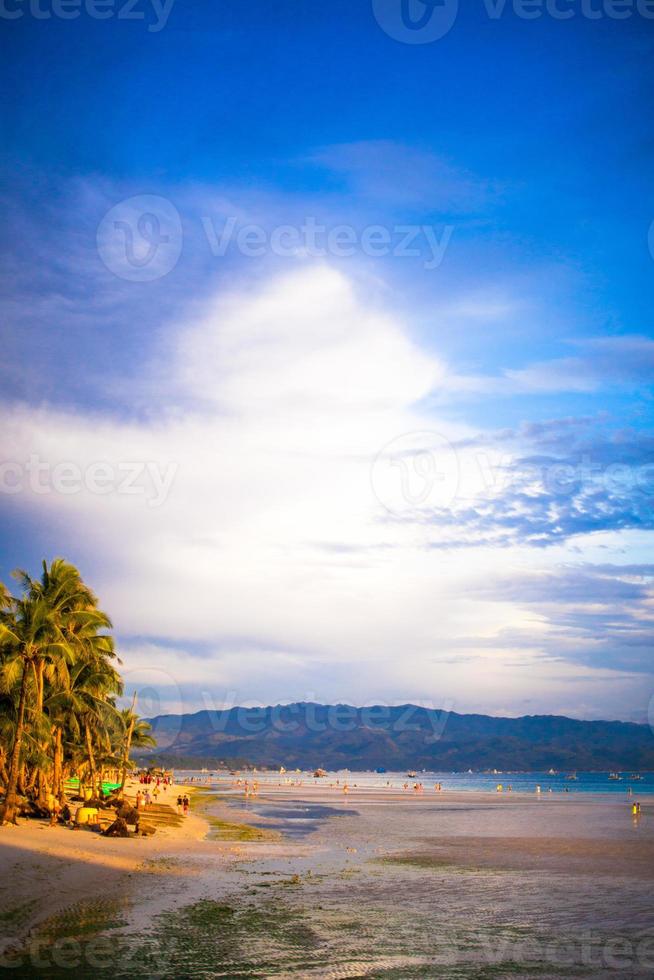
point(307, 735)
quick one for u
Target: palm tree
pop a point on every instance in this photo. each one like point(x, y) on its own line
point(30, 638)
point(85, 627)
point(137, 732)
point(58, 688)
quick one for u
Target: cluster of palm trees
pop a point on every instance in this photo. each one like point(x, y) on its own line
point(59, 685)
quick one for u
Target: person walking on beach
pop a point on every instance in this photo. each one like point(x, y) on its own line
point(185, 805)
point(179, 804)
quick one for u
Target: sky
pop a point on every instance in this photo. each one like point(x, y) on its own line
point(327, 344)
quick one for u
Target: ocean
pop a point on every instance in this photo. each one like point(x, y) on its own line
point(522, 782)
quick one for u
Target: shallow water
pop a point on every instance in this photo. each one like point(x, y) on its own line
point(523, 782)
point(554, 887)
point(295, 820)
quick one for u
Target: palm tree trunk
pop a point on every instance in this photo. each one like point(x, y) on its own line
point(42, 780)
point(57, 766)
point(89, 752)
point(10, 807)
point(128, 745)
point(4, 775)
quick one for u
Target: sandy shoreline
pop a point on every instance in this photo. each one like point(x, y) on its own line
point(364, 848)
point(63, 867)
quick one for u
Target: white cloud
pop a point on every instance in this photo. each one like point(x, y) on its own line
point(271, 557)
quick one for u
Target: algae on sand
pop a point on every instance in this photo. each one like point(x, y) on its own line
point(230, 830)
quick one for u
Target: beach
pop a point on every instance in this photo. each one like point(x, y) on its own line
point(310, 881)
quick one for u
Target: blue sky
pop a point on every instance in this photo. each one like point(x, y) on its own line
point(337, 472)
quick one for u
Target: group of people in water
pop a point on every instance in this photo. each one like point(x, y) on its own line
point(147, 779)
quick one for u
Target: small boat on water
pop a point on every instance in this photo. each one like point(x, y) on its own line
point(572, 775)
point(615, 776)
point(635, 777)
point(552, 772)
point(411, 775)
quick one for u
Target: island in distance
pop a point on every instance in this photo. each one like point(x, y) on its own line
point(306, 735)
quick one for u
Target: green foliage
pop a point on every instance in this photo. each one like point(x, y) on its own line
point(58, 687)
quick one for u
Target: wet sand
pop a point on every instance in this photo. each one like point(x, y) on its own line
point(375, 883)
